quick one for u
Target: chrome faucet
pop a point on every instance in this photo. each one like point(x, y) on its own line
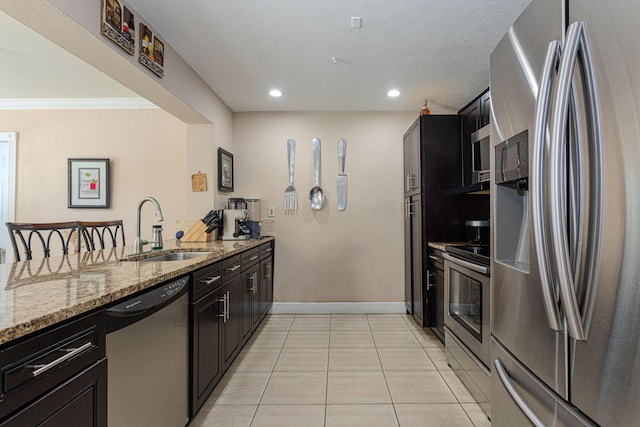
point(138, 243)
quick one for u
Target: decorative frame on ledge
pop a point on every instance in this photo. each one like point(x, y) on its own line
point(88, 183)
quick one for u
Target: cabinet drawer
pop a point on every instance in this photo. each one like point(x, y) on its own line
point(205, 280)
point(33, 366)
point(230, 267)
point(266, 250)
point(250, 257)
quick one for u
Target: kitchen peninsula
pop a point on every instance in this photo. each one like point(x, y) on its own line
point(53, 321)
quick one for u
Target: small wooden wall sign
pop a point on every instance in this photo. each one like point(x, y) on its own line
point(198, 182)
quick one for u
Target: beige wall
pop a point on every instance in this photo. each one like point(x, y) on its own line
point(330, 256)
point(147, 149)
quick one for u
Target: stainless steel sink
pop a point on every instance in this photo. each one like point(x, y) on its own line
point(174, 256)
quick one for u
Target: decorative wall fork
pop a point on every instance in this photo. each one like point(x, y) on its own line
point(290, 193)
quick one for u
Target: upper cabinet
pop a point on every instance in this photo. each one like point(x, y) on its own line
point(485, 108)
point(472, 117)
point(411, 149)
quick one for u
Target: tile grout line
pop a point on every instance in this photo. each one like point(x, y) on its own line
point(271, 374)
point(386, 381)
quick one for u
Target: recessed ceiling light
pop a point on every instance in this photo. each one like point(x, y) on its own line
point(275, 93)
point(393, 93)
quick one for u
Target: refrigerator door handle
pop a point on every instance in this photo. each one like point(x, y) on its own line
point(506, 382)
point(537, 182)
point(576, 51)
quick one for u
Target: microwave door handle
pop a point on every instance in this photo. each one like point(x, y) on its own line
point(538, 181)
point(577, 44)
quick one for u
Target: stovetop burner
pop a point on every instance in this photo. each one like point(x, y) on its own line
point(477, 254)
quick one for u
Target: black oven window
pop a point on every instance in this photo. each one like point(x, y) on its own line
point(465, 302)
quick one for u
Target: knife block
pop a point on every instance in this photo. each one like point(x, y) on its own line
point(197, 233)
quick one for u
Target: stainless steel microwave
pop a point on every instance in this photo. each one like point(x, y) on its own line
point(480, 152)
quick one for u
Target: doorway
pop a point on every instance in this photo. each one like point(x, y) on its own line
point(7, 191)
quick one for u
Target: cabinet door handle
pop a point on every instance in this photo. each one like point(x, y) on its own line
point(70, 353)
point(228, 296)
point(233, 267)
point(254, 277)
point(209, 280)
point(223, 300)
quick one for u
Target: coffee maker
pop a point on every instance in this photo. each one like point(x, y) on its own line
point(234, 221)
point(253, 208)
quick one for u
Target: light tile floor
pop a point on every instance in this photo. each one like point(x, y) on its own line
point(341, 370)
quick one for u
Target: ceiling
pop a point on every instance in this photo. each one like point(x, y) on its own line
point(427, 49)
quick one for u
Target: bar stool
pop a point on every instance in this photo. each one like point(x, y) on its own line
point(106, 233)
point(45, 233)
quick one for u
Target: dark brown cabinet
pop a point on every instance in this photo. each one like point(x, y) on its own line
point(430, 208)
point(56, 377)
point(435, 283)
point(250, 302)
point(266, 286)
point(79, 401)
point(473, 116)
point(229, 299)
point(232, 323)
point(207, 311)
point(412, 166)
point(485, 109)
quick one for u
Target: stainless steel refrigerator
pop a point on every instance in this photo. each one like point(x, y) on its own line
point(566, 223)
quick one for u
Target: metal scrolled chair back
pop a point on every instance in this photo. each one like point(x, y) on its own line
point(102, 234)
point(47, 234)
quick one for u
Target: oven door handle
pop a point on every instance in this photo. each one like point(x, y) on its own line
point(471, 266)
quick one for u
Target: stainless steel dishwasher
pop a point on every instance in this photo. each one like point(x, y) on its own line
point(147, 358)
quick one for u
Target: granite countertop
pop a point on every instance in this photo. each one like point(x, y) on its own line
point(39, 293)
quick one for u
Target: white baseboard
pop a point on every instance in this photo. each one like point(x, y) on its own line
point(337, 307)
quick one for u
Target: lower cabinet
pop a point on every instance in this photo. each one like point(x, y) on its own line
point(232, 324)
point(79, 401)
point(57, 377)
point(229, 299)
point(265, 291)
point(251, 301)
point(435, 271)
point(206, 357)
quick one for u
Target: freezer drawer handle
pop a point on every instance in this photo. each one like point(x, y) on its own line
point(506, 382)
point(70, 353)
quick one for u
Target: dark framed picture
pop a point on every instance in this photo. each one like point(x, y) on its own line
point(225, 170)
point(88, 183)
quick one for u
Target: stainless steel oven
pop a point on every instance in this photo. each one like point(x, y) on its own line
point(467, 300)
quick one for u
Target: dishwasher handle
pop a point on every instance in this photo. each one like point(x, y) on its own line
point(144, 305)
